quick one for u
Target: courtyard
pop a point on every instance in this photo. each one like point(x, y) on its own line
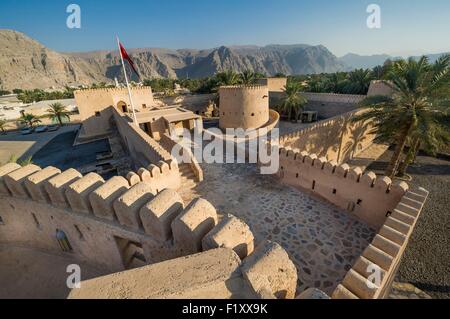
point(322, 240)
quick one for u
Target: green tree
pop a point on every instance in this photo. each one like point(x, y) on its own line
point(57, 111)
point(228, 78)
point(248, 77)
point(29, 120)
point(293, 101)
point(335, 82)
point(417, 111)
point(359, 81)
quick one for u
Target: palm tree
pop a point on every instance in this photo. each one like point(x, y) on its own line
point(3, 124)
point(228, 78)
point(417, 110)
point(29, 120)
point(293, 102)
point(248, 77)
point(335, 82)
point(57, 111)
point(359, 81)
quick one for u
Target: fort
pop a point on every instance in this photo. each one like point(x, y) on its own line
point(317, 228)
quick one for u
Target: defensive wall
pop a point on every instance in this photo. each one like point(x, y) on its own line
point(94, 107)
point(338, 138)
point(245, 107)
point(118, 225)
point(390, 208)
point(326, 104)
point(143, 149)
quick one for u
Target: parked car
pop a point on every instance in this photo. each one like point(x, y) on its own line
point(26, 131)
point(41, 129)
point(52, 128)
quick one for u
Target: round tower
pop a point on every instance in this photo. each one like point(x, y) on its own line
point(244, 107)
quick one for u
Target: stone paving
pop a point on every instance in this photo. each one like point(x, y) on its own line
point(322, 240)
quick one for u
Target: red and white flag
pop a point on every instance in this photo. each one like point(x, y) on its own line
point(124, 54)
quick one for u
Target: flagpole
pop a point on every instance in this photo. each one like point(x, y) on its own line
point(128, 84)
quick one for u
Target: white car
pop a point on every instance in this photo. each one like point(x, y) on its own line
point(41, 129)
point(26, 131)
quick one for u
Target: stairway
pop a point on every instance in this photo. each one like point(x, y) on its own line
point(188, 182)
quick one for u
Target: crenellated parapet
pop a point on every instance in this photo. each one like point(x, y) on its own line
point(338, 138)
point(112, 90)
point(363, 194)
point(384, 254)
point(94, 212)
point(218, 273)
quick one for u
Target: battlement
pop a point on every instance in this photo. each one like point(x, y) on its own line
point(338, 138)
point(244, 87)
point(138, 204)
point(112, 200)
point(333, 97)
point(110, 224)
point(385, 252)
point(318, 125)
point(363, 194)
point(143, 89)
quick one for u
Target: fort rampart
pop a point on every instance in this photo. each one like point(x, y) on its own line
point(118, 225)
point(385, 252)
point(390, 208)
point(143, 149)
point(338, 138)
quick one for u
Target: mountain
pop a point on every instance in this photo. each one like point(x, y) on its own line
point(355, 61)
point(25, 63)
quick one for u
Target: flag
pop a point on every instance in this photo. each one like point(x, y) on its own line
point(125, 56)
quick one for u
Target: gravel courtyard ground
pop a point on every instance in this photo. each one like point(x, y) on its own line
point(426, 263)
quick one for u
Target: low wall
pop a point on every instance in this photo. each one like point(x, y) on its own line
point(365, 195)
point(143, 149)
point(338, 139)
point(116, 225)
point(215, 274)
point(385, 252)
point(326, 104)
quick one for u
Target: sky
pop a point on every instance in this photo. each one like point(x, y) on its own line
point(408, 27)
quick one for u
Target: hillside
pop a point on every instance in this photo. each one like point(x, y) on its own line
point(25, 63)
